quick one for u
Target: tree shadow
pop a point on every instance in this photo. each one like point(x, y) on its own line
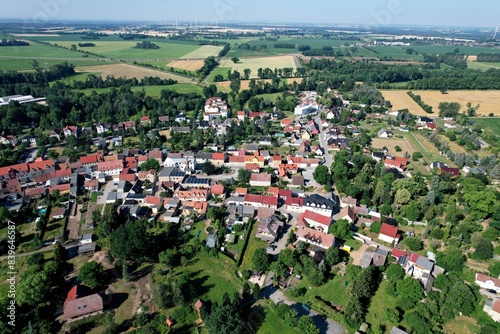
point(199, 286)
point(117, 299)
point(136, 275)
point(320, 321)
point(256, 318)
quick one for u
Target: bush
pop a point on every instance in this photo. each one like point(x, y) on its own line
point(375, 227)
point(416, 155)
point(414, 244)
point(397, 148)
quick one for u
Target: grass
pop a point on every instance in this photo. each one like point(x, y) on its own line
point(25, 64)
point(379, 303)
point(482, 66)
point(40, 51)
point(268, 97)
point(126, 310)
point(255, 63)
point(441, 49)
point(492, 123)
point(335, 291)
point(93, 197)
point(355, 244)
point(219, 70)
point(153, 91)
point(462, 325)
point(253, 244)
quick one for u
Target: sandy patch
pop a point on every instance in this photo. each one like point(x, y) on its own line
point(189, 65)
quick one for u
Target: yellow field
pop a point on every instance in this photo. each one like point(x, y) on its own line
point(130, 71)
point(488, 99)
point(471, 58)
point(203, 52)
point(391, 143)
point(189, 65)
point(255, 63)
point(401, 100)
point(224, 85)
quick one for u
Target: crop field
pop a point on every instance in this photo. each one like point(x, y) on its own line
point(391, 143)
point(39, 51)
point(219, 70)
point(489, 100)
point(153, 91)
point(188, 65)
point(224, 86)
point(255, 63)
point(488, 122)
point(130, 71)
point(401, 100)
point(441, 49)
point(482, 66)
point(203, 52)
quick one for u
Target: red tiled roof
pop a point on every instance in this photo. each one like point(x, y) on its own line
point(218, 156)
point(252, 198)
point(484, 278)
point(389, 230)
point(269, 200)
point(241, 191)
point(260, 177)
point(397, 253)
point(316, 217)
point(327, 240)
point(294, 201)
point(450, 170)
point(217, 189)
point(285, 193)
point(397, 162)
point(89, 159)
point(154, 200)
point(109, 165)
point(237, 159)
point(496, 306)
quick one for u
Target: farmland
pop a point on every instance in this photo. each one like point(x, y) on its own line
point(255, 63)
point(39, 51)
point(401, 100)
point(491, 123)
point(224, 86)
point(203, 52)
point(483, 66)
point(391, 143)
point(153, 91)
point(188, 65)
point(489, 100)
point(130, 71)
point(25, 64)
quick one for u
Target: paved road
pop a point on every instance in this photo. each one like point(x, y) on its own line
point(488, 294)
point(43, 249)
point(326, 326)
point(322, 141)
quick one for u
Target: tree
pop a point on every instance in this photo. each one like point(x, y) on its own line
point(132, 241)
point(260, 260)
point(410, 291)
point(322, 175)
point(402, 196)
point(151, 164)
point(333, 256)
point(235, 60)
point(452, 259)
point(244, 176)
point(414, 244)
point(307, 326)
point(375, 227)
point(208, 168)
point(224, 319)
point(395, 273)
point(246, 75)
point(235, 85)
point(91, 274)
point(256, 291)
point(484, 250)
point(494, 269)
point(341, 229)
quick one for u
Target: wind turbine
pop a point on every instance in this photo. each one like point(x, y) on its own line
point(495, 34)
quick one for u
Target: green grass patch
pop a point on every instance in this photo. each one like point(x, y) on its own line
point(381, 301)
point(272, 323)
point(482, 66)
point(219, 70)
point(25, 64)
point(93, 197)
point(41, 51)
point(442, 49)
point(492, 123)
point(462, 325)
point(253, 244)
point(355, 244)
point(334, 291)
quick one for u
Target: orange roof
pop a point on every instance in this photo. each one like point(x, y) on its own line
point(260, 177)
point(218, 156)
point(389, 230)
point(241, 191)
point(252, 167)
point(109, 165)
point(273, 191)
point(154, 200)
point(315, 217)
point(217, 189)
point(41, 165)
point(89, 159)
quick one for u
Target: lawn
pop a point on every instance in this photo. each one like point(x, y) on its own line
point(253, 244)
point(271, 322)
point(442, 49)
point(379, 303)
point(255, 63)
point(462, 325)
point(219, 70)
point(213, 276)
point(126, 310)
point(268, 97)
point(335, 291)
point(355, 244)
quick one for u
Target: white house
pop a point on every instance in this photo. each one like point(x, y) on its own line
point(389, 234)
point(183, 163)
point(305, 108)
point(315, 238)
point(101, 128)
point(315, 220)
point(319, 204)
point(260, 180)
point(383, 133)
point(488, 282)
point(492, 307)
point(215, 107)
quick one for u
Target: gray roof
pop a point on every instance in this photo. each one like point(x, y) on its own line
point(316, 200)
point(196, 180)
point(211, 239)
point(423, 262)
point(396, 330)
point(87, 248)
point(111, 196)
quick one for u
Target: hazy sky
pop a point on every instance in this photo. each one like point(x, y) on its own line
point(422, 12)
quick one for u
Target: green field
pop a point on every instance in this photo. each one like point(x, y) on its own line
point(25, 64)
point(378, 304)
point(335, 291)
point(492, 123)
point(441, 49)
point(39, 51)
point(153, 91)
point(219, 70)
point(271, 323)
point(482, 66)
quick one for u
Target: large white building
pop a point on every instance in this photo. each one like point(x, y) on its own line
point(215, 107)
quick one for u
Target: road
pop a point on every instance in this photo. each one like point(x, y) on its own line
point(322, 141)
point(326, 326)
point(43, 249)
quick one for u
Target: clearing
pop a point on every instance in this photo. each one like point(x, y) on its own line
point(187, 64)
point(483, 66)
point(488, 99)
point(203, 52)
point(130, 71)
point(462, 325)
point(262, 62)
point(391, 143)
point(224, 85)
point(401, 100)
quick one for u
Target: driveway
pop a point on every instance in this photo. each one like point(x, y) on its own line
point(107, 189)
point(326, 326)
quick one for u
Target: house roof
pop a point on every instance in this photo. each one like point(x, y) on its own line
point(81, 306)
point(241, 191)
point(450, 170)
point(485, 278)
point(326, 240)
point(297, 180)
point(318, 201)
point(217, 189)
point(58, 212)
point(315, 217)
point(253, 198)
point(260, 177)
point(397, 162)
point(109, 165)
point(347, 211)
point(269, 200)
point(219, 156)
point(397, 253)
point(349, 200)
point(388, 230)
point(496, 306)
point(154, 200)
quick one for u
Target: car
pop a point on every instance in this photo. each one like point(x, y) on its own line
point(271, 248)
point(306, 307)
point(491, 291)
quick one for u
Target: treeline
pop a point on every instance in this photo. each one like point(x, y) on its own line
point(33, 83)
point(86, 45)
point(94, 35)
point(284, 46)
point(95, 81)
point(146, 45)
point(455, 60)
point(209, 64)
point(325, 51)
point(418, 99)
point(128, 37)
point(257, 47)
point(224, 50)
point(13, 42)
point(488, 57)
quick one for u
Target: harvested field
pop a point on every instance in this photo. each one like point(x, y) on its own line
point(391, 143)
point(255, 63)
point(203, 52)
point(130, 71)
point(488, 99)
point(472, 58)
point(401, 100)
point(224, 86)
point(188, 65)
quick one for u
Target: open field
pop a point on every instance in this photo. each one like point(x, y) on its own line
point(483, 66)
point(471, 58)
point(492, 123)
point(39, 51)
point(188, 65)
point(401, 100)
point(441, 49)
point(203, 52)
point(131, 71)
point(381, 301)
point(391, 143)
point(488, 99)
point(255, 63)
point(224, 86)
point(25, 64)
point(462, 325)
point(271, 322)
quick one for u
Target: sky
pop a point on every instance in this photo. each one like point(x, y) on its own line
point(383, 12)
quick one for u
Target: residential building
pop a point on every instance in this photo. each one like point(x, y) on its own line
point(83, 306)
point(269, 228)
point(193, 195)
point(389, 234)
point(314, 220)
point(383, 133)
point(488, 282)
point(215, 107)
point(319, 204)
point(322, 241)
point(492, 308)
point(347, 213)
point(260, 180)
point(397, 163)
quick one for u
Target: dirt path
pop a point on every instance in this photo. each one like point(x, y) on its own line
point(74, 223)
